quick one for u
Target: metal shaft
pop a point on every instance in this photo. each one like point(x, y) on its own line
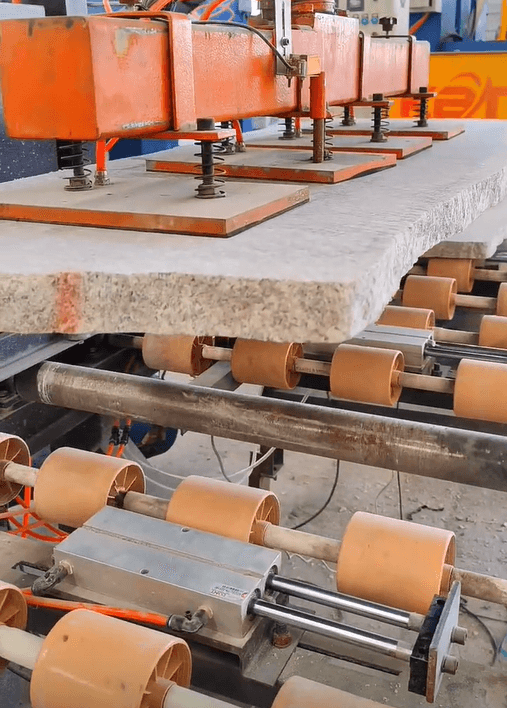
point(372, 610)
point(435, 451)
point(333, 630)
point(457, 352)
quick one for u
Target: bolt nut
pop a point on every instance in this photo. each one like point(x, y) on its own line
point(285, 41)
point(450, 664)
point(459, 635)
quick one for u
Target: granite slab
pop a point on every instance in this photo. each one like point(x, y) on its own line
point(319, 273)
point(479, 240)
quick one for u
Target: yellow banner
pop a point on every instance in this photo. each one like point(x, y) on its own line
point(467, 86)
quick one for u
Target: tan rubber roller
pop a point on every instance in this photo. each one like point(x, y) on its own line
point(480, 391)
point(73, 485)
point(461, 269)
point(13, 610)
point(437, 294)
point(225, 509)
point(411, 317)
point(266, 363)
point(366, 374)
point(12, 449)
point(182, 354)
point(393, 562)
point(501, 302)
point(299, 692)
point(89, 660)
point(493, 332)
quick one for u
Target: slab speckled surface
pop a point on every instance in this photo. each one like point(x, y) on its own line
point(319, 273)
point(479, 240)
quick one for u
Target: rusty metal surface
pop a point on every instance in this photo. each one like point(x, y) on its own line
point(119, 76)
point(436, 130)
point(434, 451)
point(89, 82)
point(148, 202)
point(353, 142)
point(277, 165)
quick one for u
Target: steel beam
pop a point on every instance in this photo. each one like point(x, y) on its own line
point(454, 455)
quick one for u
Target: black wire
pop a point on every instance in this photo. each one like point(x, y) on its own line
point(20, 671)
point(327, 502)
point(400, 498)
point(250, 29)
point(492, 639)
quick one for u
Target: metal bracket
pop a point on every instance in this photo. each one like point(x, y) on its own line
point(431, 656)
point(283, 32)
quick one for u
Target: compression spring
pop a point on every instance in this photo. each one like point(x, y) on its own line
point(289, 129)
point(380, 120)
point(421, 109)
point(73, 155)
point(225, 146)
point(348, 117)
point(328, 138)
point(210, 185)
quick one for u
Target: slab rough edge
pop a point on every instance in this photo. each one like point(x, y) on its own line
point(459, 210)
point(480, 240)
point(277, 309)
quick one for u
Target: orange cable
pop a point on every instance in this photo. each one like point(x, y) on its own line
point(210, 10)
point(119, 612)
point(417, 25)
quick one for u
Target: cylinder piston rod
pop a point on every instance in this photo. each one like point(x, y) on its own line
point(455, 455)
point(347, 603)
point(334, 630)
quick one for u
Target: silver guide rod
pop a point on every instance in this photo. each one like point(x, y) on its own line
point(452, 454)
point(347, 603)
point(465, 351)
point(333, 630)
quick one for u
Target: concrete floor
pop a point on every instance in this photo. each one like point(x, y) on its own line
point(476, 516)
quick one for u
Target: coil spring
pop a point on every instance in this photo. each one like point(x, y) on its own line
point(208, 170)
point(420, 114)
point(73, 155)
point(380, 124)
point(289, 130)
point(328, 138)
point(225, 146)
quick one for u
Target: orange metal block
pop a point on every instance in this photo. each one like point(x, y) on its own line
point(436, 130)
point(401, 148)
point(80, 77)
point(148, 202)
point(138, 74)
point(419, 66)
point(277, 165)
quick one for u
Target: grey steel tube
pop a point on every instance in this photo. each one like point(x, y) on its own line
point(312, 593)
point(451, 454)
point(333, 630)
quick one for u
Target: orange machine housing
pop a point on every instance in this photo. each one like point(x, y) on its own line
point(141, 74)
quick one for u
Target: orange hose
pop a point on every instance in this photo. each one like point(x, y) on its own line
point(239, 133)
point(27, 498)
point(111, 143)
point(26, 529)
point(51, 603)
point(417, 25)
point(210, 10)
point(100, 155)
point(107, 6)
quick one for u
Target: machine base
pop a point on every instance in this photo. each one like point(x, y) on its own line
point(277, 164)
point(147, 202)
point(436, 129)
point(398, 146)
